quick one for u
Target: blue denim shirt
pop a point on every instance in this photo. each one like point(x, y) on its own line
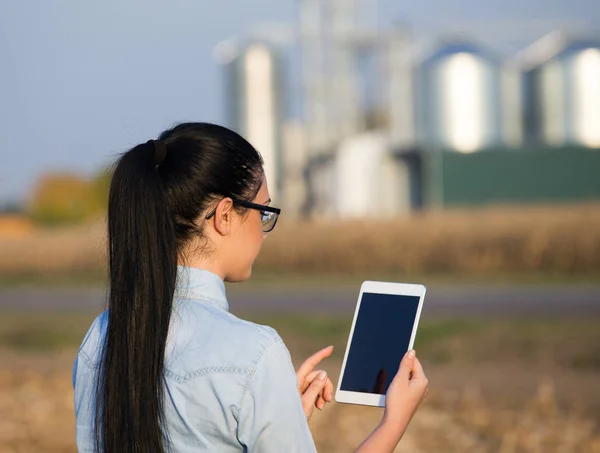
point(230, 383)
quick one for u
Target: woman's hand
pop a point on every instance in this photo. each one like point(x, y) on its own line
point(315, 387)
point(404, 396)
point(406, 392)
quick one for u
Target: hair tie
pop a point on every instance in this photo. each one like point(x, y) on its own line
point(160, 151)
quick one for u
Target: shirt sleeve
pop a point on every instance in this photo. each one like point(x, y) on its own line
point(271, 418)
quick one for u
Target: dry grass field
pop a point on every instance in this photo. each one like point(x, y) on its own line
point(501, 386)
point(15, 226)
point(558, 240)
point(507, 387)
point(78, 250)
point(562, 240)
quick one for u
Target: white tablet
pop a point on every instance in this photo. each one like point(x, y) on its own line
point(384, 328)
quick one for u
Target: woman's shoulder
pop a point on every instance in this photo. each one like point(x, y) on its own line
point(93, 340)
point(203, 340)
point(203, 319)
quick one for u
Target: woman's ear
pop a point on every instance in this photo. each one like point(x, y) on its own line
point(223, 216)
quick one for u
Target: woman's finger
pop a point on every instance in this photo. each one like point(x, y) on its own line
point(313, 392)
point(320, 404)
point(406, 366)
point(310, 363)
point(309, 378)
point(328, 391)
point(417, 370)
point(302, 386)
point(327, 394)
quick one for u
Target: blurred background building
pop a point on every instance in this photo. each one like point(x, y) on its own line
point(394, 122)
point(254, 99)
point(468, 98)
point(561, 73)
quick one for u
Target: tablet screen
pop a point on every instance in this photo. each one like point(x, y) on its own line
point(381, 337)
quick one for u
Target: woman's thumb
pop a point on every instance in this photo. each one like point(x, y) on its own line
point(406, 365)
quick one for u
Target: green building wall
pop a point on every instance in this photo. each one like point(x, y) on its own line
point(505, 176)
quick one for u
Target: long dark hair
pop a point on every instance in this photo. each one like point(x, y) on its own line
point(153, 212)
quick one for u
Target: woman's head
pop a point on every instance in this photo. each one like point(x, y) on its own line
point(206, 168)
point(193, 197)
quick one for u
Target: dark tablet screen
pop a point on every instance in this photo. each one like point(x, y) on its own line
point(380, 340)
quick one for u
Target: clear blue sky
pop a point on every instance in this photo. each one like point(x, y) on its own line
point(83, 80)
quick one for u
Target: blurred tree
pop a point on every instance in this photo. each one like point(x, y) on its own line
point(100, 187)
point(62, 198)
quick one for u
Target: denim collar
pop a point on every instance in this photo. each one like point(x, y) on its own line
point(200, 284)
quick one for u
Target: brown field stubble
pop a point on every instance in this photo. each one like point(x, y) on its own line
point(509, 241)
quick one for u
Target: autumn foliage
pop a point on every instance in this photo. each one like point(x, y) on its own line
point(64, 198)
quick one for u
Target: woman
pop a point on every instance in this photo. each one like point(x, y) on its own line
point(167, 367)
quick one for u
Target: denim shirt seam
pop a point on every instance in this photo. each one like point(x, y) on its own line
point(252, 373)
point(87, 360)
point(174, 376)
point(204, 371)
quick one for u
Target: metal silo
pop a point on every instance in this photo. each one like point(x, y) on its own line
point(369, 180)
point(254, 99)
point(469, 99)
point(562, 86)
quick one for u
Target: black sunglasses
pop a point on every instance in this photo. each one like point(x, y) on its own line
point(269, 215)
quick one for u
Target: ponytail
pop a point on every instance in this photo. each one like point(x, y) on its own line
point(156, 197)
point(142, 248)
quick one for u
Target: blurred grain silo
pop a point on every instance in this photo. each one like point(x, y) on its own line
point(254, 99)
point(398, 75)
point(561, 76)
point(370, 180)
point(294, 160)
point(469, 98)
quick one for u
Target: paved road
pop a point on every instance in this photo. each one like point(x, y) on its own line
point(441, 301)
